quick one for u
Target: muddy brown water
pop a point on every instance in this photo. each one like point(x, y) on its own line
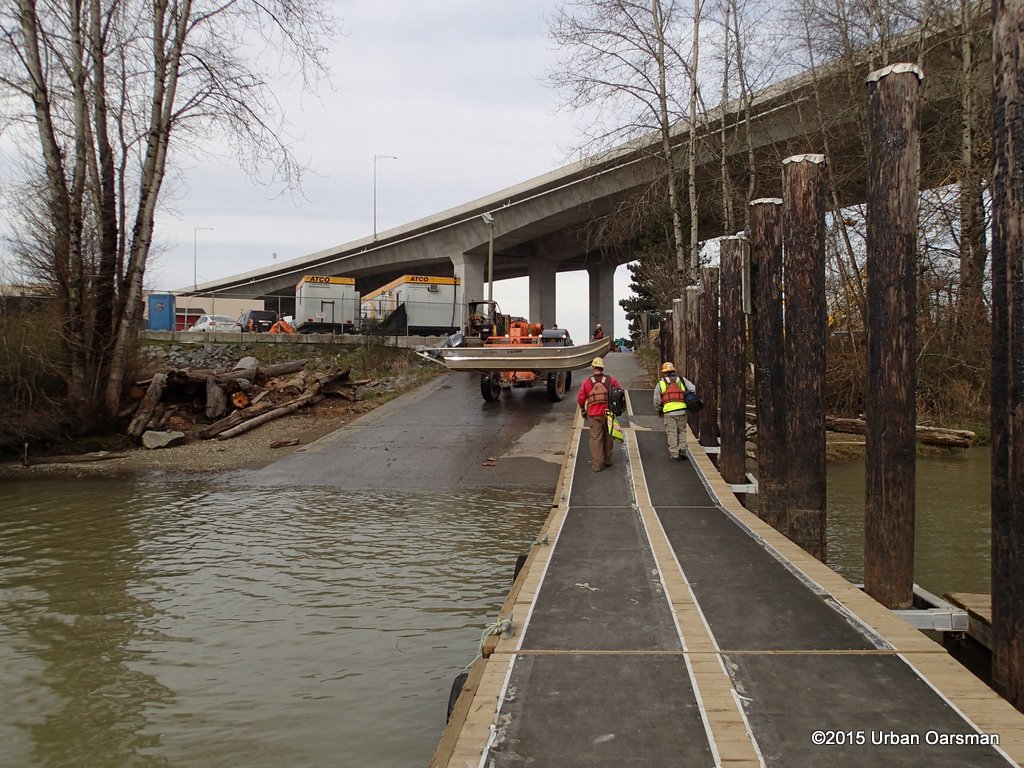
point(197, 625)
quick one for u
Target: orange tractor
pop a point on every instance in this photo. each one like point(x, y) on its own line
point(526, 337)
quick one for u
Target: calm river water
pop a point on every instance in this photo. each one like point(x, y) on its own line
point(191, 625)
point(200, 624)
point(952, 515)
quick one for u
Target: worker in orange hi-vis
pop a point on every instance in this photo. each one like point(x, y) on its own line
point(593, 402)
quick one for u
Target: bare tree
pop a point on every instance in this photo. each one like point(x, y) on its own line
point(110, 88)
point(691, 151)
point(621, 58)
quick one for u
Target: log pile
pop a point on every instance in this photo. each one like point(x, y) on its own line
point(233, 402)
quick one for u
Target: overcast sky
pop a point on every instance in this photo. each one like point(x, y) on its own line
point(453, 88)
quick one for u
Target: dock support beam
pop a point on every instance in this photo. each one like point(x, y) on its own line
point(804, 189)
point(769, 359)
point(1008, 353)
point(732, 462)
point(891, 335)
point(707, 382)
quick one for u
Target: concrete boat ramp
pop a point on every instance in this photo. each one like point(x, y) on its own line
point(659, 623)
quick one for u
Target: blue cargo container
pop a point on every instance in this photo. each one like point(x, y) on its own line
point(161, 311)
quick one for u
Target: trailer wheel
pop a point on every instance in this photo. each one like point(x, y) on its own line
point(556, 386)
point(490, 386)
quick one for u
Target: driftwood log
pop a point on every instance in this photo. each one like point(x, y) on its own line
point(940, 436)
point(950, 438)
point(216, 399)
point(76, 458)
point(149, 403)
point(311, 396)
point(234, 419)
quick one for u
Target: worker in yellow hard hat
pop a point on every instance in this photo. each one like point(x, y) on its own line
point(670, 401)
point(593, 402)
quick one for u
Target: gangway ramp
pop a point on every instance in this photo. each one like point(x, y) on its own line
point(660, 623)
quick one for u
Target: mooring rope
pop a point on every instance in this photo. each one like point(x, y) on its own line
point(500, 627)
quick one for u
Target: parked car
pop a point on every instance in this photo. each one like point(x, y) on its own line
point(257, 320)
point(217, 323)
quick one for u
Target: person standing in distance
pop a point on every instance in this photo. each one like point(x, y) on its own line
point(593, 402)
point(598, 333)
point(669, 394)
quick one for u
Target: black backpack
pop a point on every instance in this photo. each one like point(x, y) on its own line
point(616, 400)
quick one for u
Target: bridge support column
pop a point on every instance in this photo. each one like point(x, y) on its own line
point(602, 298)
point(542, 291)
point(469, 269)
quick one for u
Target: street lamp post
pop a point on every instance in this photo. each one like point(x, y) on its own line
point(375, 159)
point(489, 221)
point(195, 256)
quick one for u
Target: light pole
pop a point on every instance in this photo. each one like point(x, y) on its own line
point(195, 256)
point(375, 159)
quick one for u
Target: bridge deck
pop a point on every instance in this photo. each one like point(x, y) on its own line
point(663, 624)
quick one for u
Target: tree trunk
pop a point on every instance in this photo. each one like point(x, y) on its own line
point(694, 263)
point(665, 125)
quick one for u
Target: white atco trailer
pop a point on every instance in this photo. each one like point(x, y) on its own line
point(326, 305)
point(414, 305)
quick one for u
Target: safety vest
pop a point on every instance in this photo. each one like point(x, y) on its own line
point(672, 395)
point(598, 391)
point(614, 428)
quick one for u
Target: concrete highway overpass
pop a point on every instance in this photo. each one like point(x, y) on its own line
point(541, 225)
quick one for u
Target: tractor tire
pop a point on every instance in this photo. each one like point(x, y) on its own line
point(490, 386)
point(556, 386)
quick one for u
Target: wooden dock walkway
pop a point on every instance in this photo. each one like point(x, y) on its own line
point(657, 622)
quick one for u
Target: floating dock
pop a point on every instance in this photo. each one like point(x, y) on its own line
point(657, 622)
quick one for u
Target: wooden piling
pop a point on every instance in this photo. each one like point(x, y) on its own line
point(1008, 352)
point(732, 461)
point(678, 356)
point(707, 386)
point(769, 359)
point(891, 334)
point(665, 336)
point(693, 347)
point(804, 189)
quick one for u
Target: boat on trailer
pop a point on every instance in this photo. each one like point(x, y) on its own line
point(528, 355)
point(534, 354)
